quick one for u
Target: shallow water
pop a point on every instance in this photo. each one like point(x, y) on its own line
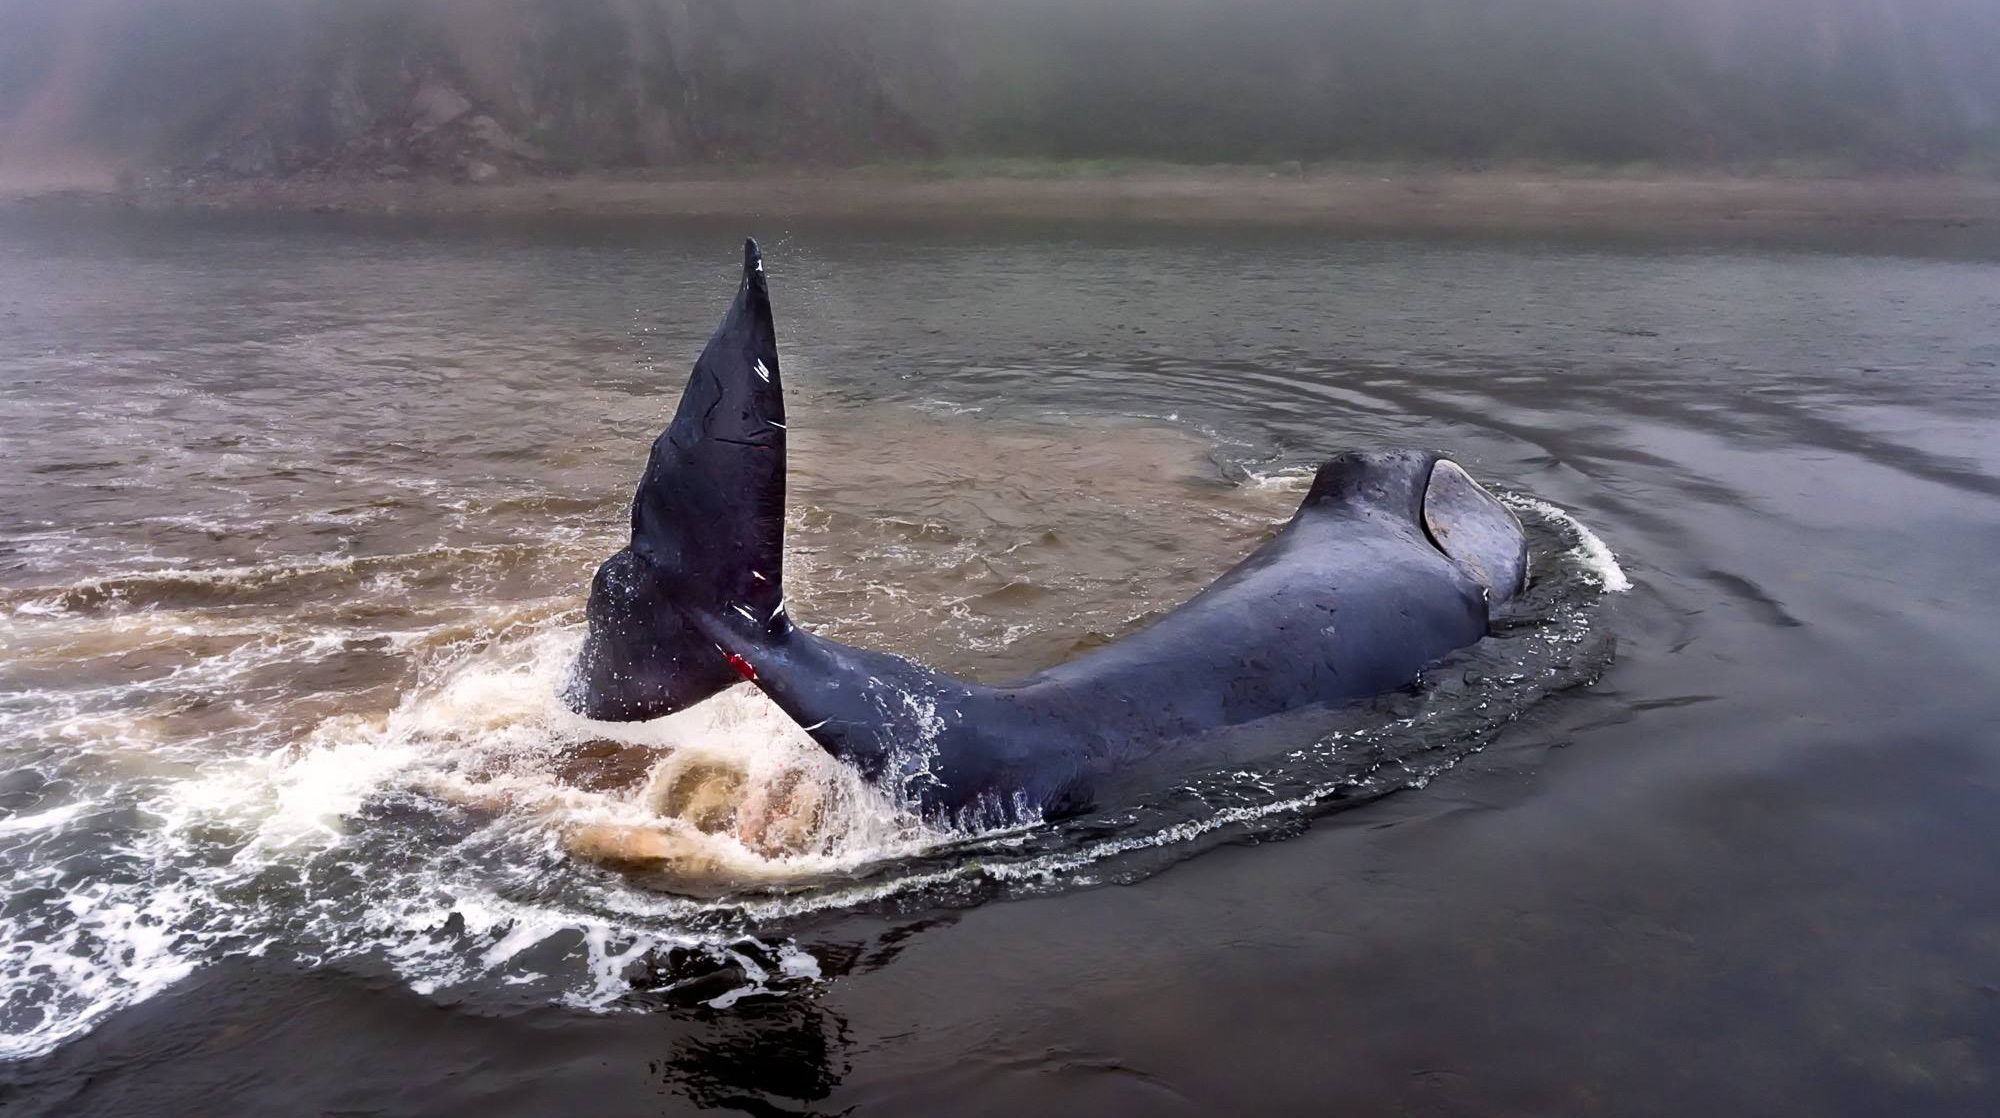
point(300, 514)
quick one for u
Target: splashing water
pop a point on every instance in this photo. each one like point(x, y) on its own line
point(418, 838)
point(1589, 552)
point(280, 757)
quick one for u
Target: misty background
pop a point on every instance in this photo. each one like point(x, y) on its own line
point(489, 88)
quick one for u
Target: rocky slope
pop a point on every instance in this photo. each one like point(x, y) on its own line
point(491, 89)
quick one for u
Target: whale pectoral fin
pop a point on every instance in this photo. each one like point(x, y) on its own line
point(1475, 530)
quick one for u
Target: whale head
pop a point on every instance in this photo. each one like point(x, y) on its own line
point(1437, 498)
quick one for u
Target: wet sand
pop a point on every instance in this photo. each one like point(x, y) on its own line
point(1359, 198)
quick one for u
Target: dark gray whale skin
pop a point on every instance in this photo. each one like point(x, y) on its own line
point(1392, 561)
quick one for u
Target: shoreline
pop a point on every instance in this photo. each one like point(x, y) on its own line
point(1357, 198)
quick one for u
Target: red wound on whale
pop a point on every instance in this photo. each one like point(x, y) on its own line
point(742, 667)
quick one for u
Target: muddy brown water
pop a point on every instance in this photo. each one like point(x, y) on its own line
point(298, 515)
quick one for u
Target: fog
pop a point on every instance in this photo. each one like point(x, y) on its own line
point(273, 87)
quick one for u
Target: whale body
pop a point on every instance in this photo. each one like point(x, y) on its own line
point(1393, 560)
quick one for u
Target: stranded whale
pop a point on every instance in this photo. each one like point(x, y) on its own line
point(1393, 560)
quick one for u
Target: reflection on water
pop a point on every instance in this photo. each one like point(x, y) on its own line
point(263, 699)
point(788, 1051)
point(302, 515)
point(299, 582)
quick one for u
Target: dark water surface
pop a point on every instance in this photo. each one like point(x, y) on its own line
point(295, 522)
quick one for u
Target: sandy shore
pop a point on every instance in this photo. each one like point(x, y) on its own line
point(1479, 200)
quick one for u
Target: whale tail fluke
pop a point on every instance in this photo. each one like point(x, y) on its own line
point(708, 531)
point(711, 506)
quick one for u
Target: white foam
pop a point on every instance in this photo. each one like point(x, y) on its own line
point(1292, 479)
point(476, 749)
point(45, 599)
point(44, 820)
point(1589, 552)
point(109, 948)
point(484, 729)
